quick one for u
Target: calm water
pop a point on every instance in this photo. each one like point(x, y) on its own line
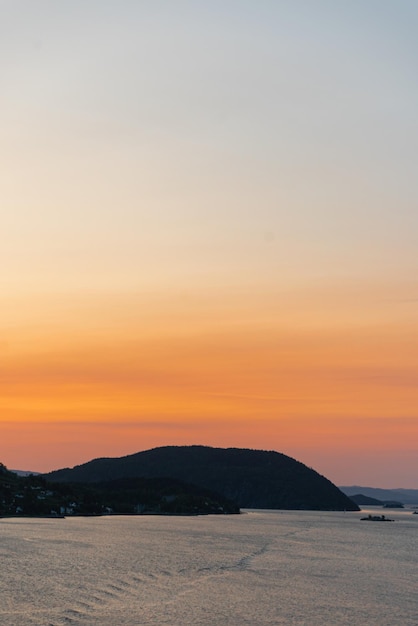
point(259, 568)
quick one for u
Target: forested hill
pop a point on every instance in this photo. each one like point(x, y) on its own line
point(33, 495)
point(251, 478)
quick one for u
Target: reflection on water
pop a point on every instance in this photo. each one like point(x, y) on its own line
point(263, 567)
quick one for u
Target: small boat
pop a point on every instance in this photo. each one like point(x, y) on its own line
point(376, 518)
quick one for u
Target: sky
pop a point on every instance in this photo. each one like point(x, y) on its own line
point(209, 231)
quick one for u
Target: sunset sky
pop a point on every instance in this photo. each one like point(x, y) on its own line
point(209, 231)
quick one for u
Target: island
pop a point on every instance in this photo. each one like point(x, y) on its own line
point(256, 479)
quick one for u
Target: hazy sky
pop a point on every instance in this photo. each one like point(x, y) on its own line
point(209, 219)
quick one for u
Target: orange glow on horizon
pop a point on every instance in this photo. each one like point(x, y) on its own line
point(257, 383)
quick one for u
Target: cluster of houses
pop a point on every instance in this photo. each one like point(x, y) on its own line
point(34, 500)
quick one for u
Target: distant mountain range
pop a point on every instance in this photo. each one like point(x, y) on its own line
point(251, 478)
point(406, 496)
point(25, 472)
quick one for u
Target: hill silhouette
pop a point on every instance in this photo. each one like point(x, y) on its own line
point(251, 478)
point(362, 500)
point(33, 495)
point(406, 496)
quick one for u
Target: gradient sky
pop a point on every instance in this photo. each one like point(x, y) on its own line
point(209, 231)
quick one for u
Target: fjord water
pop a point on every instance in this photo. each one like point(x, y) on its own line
point(262, 567)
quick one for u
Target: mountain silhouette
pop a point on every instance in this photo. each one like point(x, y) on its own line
point(251, 478)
